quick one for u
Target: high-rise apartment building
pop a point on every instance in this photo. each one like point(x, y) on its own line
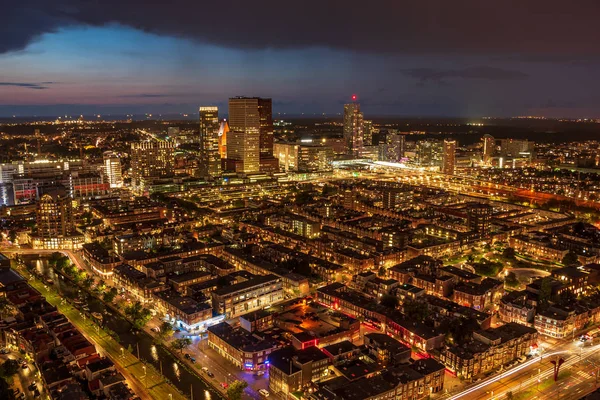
point(55, 226)
point(151, 161)
point(479, 218)
point(489, 148)
point(112, 169)
point(392, 149)
point(243, 139)
point(449, 156)
point(368, 133)
point(429, 153)
point(210, 159)
point(353, 129)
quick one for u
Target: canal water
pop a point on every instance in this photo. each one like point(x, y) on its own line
point(172, 368)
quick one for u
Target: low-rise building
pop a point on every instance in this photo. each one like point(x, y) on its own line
point(247, 296)
point(245, 350)
point(517, 307)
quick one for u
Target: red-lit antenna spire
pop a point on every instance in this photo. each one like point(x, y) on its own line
point(354, 97)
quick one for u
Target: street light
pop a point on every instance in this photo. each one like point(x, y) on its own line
point(122, 352)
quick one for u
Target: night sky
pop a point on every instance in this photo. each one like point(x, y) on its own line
point(415, 58)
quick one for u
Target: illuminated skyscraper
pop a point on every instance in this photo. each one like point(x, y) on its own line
point(489, 148)
point(265, 111)
point(112, 169)
point(368, 133)
point(429, 153)
point(223, 130)
point(392, 150)
point(449, 156)
point(353, 129)
point(151, 161)
point(243, 139)
point(210, 160)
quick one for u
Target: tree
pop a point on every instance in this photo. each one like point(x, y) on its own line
point(329, 190)
point(303, 197)
point(382, 271)
point(511, 280)
point(110, 295)
point(570, 259)
point(4, 306)
point(415, 309)
point(509, 253)
point(53, 259)
point(180, 344)
point(12, 235)
point(87, 282)
point(9, 368)
point(138, 314)
point(566, 298)
point(166, 330)
point(389, 301)
point(545, 290)
point(236, 389)
point(509, 395)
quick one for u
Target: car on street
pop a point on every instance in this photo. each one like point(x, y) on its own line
point(3, 351)
point(210, 374)
point(224, 385)
point(259, 373)
point(22, 396)
point(263, 392)
point(187, 356)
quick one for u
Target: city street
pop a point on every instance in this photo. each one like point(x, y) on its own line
point(25, 377)
point(131, 368)
point(536, 372)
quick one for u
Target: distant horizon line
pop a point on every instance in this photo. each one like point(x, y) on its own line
point(191, 116)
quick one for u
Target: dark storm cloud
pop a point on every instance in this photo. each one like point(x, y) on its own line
point(439, 76)
point(534, 27)
point(28, 85)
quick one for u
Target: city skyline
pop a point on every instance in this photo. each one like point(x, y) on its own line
point(463, 60)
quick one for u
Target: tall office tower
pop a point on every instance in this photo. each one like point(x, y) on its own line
point(223, 130)
point(392, 150)
point(265, 112)
point(449, 156)
point(489, 148)
point(243, 139)
point(429, 153)
point(112, 169)
point(210, 159)
point(353, 129)
point(368, 133)
point(151, 161)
